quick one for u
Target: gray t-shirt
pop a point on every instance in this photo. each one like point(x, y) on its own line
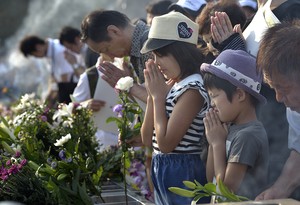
point(248, 144)
point(293, 119)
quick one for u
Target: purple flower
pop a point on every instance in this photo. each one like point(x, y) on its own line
point(118, 109)
point(18, 154)
point(4, 177)
point(138, 180)
point(44, 118)
point(54, 164)
point(23, 162)
point(69, 160)
point(49, 160)
point(8, 162)
point(76, 104)
point(62, 154)
point(13, 169)
point(3, 171)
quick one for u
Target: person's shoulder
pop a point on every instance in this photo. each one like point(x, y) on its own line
point(288, 10)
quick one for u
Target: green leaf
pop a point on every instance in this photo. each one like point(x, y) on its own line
point(210, 187)
point(224, 191)
point(62, 176)
point(75, 182)
point(4, 135)
point(189, 184)
point(182, 192)
point(33, 165)
point(84, 195)
point(97, 176)
point(7, 148)
point(199, 196)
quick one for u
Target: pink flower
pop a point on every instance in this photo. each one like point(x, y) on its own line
point(8, 163)
point(18, 154)
point(13, 169)
point(23, 162)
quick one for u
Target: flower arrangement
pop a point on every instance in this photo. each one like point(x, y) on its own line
point(59, 147)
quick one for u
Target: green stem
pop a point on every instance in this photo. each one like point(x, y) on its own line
point(124, 173)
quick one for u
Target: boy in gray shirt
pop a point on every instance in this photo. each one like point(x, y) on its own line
point(238, 143)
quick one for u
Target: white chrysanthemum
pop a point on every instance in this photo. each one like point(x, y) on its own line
point(63, 140)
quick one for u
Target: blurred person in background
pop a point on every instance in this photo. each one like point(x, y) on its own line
point(77, 54)
point(61, 70)
point(189, 8)
point(157, 8)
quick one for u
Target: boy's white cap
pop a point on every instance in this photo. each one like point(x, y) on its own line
point(250, 3)
point(168, 28)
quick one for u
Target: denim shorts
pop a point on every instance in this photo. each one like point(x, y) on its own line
point(170, 170)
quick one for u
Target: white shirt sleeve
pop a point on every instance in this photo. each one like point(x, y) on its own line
point(82, 90)
point(293, 119)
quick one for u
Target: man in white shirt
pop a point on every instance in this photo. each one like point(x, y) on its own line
point(61, 69)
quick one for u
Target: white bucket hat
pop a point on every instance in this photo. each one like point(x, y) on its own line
point(169, 28)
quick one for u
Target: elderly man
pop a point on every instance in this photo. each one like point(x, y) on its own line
point(280, 68)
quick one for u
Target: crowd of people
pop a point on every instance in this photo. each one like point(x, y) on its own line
point(209, 74)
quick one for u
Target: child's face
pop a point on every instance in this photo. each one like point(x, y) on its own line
point(287, 90)
point(168, 66)
point(221, 105)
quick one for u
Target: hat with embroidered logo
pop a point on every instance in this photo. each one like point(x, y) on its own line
point(239, 68)
point(191, 7)
point(169, 28)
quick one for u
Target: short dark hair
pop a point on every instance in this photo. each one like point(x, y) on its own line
point(29, 43)
point(188, 56)
point(279, 50)
point(94, 25)
point(232, 9)
point(212, 81)
point(68, 34)
point(158, 8)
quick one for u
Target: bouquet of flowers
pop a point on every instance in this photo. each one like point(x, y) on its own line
point(59, 146)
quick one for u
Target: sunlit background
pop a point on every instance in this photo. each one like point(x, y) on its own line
point(19, 18)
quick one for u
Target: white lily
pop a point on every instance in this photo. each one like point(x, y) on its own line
point(65, 110)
